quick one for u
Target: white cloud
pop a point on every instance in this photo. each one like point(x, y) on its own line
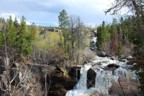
point(7, 16)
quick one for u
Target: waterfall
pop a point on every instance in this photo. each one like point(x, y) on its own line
point(81, 87)
point(82, 84)
point(103, 81)
point(104, 78)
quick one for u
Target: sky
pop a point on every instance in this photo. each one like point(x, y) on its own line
point(45, 12)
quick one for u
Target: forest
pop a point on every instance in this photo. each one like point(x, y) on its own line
point(38, 60)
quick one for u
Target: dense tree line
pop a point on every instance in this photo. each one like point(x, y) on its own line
point(15, 37)
point(127, 32)
point(118, 38)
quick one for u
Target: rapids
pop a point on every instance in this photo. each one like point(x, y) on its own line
point(104, 78)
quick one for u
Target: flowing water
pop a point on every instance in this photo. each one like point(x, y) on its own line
point(104, 78)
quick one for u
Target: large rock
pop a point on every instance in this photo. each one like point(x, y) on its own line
point(124, 88)
point(96, 94)
point(102, 53)
point(59, 83)
point(91, 75)
point(74, 73)
point(112, 67)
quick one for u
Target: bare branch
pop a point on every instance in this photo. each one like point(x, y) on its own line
point(13, 78)
point(115, 6)
point(23, 77)
point(1, 87)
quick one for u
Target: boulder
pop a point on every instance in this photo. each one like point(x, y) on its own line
point(74, 73)
point(91, 75)
point(101, 53)
point(111, 67)
point(129, 57)
point(96, 94)
point(59, 83)
point(124, 88)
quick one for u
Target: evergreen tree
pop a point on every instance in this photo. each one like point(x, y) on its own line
point(2, 24)
point(119, 50)
point(63, 20)
point(64, 26)
point(103, 36)
point(11, 33)
point(99, 37)
point(16, 24)
point(24, 40)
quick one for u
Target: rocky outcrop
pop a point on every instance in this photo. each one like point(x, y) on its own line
point(59, 84)
point(74, 73)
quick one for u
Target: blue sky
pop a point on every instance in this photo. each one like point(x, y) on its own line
point(45, 12)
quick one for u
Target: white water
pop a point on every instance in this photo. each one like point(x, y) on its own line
point(94, 39)
point(103, 80)
point(83, 75)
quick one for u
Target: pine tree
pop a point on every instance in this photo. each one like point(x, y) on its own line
point(2, 24)
point(24, 40)
point(63, 19)
point(103, 36)
point(119, 50)
point(11, 33)
point(64, 26)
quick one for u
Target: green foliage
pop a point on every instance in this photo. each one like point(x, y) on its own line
point(119, 50)
point(64, 25)
point(103, 35)
point(75, 35)
point(99, 37)
point(48, 42)
point(11, 33)
point(34, 31)
point(53, 39)
point(24, 40)
point(112, 37)
point(1, 38)
point(16, 24)
point(63, 19)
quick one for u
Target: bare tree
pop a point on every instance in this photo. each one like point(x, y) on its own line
point(78, 36)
